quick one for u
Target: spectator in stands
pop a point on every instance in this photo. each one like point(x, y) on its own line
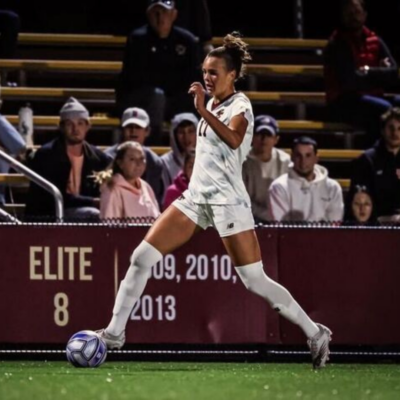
point(9, 28)
point(306, 193)
point(182, 137)
point(69, 162)
point(378, 168)
point(359, 207)
point(263, 164)
point(160, 62)
point(125, 195)
point(181, 181)
point(12, 143)
point(135, 125)
point(358, 66)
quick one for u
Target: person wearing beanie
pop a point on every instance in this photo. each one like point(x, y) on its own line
point(69, 162)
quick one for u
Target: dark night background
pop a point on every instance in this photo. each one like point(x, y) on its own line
point(121, 16)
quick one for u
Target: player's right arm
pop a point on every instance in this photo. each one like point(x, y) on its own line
point(231, 134)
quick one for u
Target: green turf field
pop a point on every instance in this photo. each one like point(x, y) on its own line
point(211, 381)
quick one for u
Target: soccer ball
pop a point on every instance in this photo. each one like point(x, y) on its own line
point(86, 349)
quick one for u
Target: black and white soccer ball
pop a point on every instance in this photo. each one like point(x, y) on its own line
point(86, 349)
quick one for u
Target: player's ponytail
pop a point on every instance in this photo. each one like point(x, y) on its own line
point(235, 52)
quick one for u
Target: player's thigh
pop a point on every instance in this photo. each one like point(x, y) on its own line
point(171, 230)
point(242, 248)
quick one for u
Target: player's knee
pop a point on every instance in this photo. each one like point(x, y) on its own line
point(145, 256)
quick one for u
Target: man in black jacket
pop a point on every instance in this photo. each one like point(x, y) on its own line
point(378, 168)
point(161, 61)
point(69, 162)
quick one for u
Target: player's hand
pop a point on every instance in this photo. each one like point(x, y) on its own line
point(198, 92)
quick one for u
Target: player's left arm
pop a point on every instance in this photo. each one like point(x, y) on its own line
point(231, 134)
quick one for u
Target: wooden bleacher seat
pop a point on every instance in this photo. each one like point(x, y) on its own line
point(119, 41)
point(106, 122)
point(39, 93)
point(111, 67)
point(71, 40)
point(51, 94)
point(114, 67)
point(281, 43)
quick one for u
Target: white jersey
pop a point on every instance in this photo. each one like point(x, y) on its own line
point(217, 172)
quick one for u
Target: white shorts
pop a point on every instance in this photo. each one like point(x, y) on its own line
point(227, 219)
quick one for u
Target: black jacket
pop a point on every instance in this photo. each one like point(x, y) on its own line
point(379, 171)
point(52, 163)
point(171, 64)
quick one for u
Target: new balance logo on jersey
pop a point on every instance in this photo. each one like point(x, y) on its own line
point(181, 197)
point(230, 226)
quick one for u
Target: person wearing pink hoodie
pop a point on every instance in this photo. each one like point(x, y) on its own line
point(125, 194)
point(181, 181)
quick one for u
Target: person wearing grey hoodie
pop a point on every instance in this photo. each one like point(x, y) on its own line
point(182, 138)
point(305, 193)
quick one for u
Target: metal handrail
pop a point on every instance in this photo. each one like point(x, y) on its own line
point(43, 183)
point(8, 217)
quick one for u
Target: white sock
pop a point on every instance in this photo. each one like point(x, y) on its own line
point(132, 287)
point(255, 280)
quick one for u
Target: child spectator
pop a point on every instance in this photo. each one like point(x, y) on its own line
point(360, 208)
point(125, 195)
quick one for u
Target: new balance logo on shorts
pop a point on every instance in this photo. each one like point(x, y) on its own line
point(230, 226)
point(181, 197)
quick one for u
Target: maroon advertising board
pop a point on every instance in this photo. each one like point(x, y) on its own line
point(57, 280)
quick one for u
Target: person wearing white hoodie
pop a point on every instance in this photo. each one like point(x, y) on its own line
point(306, 193)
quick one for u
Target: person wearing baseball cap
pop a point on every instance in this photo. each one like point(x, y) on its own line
point(135, 126)
point(263, 164)
point(68, 162)
point(161, 61)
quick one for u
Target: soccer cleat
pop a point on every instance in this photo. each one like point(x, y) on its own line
point(112, 342)
point(319, 346)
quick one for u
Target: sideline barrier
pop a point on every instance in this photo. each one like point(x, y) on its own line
point(56, 280)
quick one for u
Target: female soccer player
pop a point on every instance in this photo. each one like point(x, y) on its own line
point(216, 197)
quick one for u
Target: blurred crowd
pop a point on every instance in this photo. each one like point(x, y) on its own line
point(130, 182)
